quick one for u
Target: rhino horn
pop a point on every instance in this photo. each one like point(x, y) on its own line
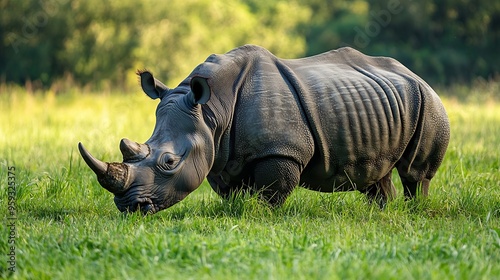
point(133, 151)
point(112, 176)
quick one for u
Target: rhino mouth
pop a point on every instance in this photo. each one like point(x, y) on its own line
point(142, 204)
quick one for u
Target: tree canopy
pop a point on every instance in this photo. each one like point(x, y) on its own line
point(103, 42)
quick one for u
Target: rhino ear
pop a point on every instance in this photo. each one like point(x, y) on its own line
point(200, 90)
point(151, 86)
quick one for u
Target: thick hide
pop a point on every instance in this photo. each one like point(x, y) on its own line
point(249, 121)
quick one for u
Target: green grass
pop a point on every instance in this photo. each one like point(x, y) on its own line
point(69, 228)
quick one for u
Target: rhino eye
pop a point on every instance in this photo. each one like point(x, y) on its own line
point(169, 161)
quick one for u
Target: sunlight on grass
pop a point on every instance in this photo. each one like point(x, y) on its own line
point(66, 220)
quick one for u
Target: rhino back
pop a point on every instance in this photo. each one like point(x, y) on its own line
point(362, 113)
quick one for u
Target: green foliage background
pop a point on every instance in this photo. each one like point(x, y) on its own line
point(101, 43)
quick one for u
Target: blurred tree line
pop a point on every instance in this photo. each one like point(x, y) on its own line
point(102, 43)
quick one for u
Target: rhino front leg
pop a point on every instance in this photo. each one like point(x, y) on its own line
point(275, 179)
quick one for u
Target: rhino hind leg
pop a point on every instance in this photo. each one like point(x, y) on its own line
point(411, 189)
point(382, 191)
point(425, 151)
point(416, 176)
point(420, 162)
point(275, 178)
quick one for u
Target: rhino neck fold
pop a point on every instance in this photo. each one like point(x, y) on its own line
point(226, 77)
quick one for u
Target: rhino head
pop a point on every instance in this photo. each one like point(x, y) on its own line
point(173, 162)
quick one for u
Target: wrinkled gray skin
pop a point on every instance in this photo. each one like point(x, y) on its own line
point(249, 121)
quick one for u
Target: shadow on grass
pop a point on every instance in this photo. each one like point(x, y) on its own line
point(302, 203)
point(241, 205)
point(61, 214)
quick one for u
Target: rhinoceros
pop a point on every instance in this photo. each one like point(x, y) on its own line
point(251, 122)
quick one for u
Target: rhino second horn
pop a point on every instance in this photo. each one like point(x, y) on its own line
point(112, 176)
point(133, 151)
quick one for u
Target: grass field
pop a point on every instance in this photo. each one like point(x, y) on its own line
point(69, 228)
